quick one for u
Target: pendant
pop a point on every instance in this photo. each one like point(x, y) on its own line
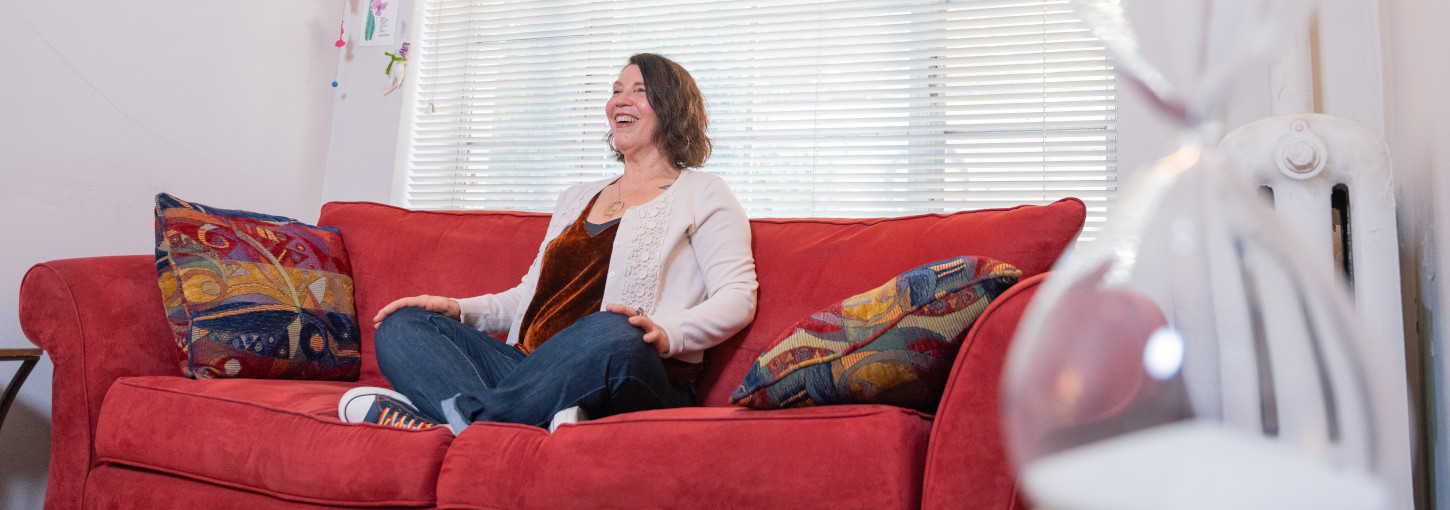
point(612, 209)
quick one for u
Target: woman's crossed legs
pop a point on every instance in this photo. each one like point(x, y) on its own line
point(600, 363)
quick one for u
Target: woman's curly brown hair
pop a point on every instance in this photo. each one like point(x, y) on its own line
point(680, 108)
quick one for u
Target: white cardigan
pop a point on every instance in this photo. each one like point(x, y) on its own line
point(684, 258)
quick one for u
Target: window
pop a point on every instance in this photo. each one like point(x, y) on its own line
point(817, 108)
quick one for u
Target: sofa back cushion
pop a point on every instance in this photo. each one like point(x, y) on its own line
point(891, 345)
point(803, 265)
point(399, 252)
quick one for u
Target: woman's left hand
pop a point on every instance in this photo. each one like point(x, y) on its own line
point(653, 333)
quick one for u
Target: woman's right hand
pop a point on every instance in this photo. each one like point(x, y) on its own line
point(437, 304)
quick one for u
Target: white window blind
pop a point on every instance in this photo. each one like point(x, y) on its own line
point(817, 108)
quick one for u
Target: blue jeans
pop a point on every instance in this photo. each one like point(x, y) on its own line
point(601, 363)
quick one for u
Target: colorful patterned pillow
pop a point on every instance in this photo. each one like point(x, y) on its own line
point(892, 345)
point(256, 296)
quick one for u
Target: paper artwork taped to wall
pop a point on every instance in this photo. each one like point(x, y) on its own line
point(379, 23)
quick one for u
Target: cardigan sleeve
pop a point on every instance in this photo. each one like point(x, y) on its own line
point(494, 313)
point(720, 240)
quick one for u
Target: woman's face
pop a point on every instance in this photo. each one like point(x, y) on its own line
point(631, 119)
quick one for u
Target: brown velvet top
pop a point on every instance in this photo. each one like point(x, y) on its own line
point(571, 281)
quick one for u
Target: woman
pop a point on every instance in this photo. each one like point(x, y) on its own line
point(637, 276)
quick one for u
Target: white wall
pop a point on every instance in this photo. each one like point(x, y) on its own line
point(1416, 78)
point(104, 104)
point(365, 118)
point(1383, 63)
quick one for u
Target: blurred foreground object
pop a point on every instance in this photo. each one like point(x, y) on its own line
point(1196, 355)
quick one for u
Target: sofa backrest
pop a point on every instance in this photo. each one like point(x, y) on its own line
point(397, 252)
point(806, 265)
point(803, 265)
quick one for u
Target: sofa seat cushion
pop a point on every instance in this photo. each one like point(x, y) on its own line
point(112, 486)
point(280, 438)
point(849, 456)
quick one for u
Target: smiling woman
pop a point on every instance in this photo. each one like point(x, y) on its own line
point(654, 130)
point(674, 110)
point(623, 297)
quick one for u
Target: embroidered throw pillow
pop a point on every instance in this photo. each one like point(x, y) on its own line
point(255, 296)
point(891, 345)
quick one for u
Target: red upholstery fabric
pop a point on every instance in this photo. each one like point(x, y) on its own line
point(276, 444)
point(397, 252)
point(805, 265)
point(280, 438)
point(967, 455)
point(128, 488)
point(856, 456)
point(98, 319)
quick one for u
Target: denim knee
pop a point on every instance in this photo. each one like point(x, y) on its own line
point(606, 320)
point(408, 315)
point(396, 323)
point(613, 335)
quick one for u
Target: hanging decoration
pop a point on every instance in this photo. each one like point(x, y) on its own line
point(397, 79)
point(339, 44)
point(401, 56)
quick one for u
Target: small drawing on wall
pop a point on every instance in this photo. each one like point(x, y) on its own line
point(379, 25)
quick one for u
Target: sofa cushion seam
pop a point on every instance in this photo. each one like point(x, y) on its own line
point(874, 221)
point(854, 414)
point(262, 490)
point(878, 221)
point(128, 382)
point(456, 214)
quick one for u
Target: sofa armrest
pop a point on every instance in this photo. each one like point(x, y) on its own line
point(966, 463)
point(99, 319)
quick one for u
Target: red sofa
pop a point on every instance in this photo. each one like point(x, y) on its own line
point(130, 432)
